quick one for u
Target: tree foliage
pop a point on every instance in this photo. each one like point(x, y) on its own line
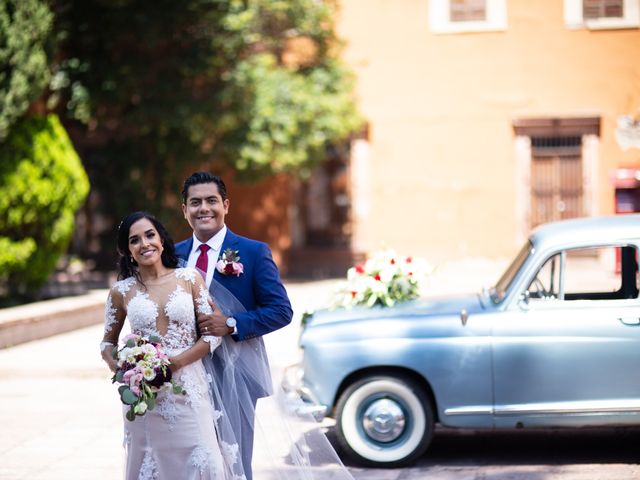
point(158, 90)
point(42, 184)
point(24, 69)
point(287, 95)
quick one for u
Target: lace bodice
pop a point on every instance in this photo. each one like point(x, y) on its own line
point(165, 307)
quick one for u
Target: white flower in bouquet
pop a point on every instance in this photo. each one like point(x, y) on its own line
point(137, 351)
point(140, 408)
point(124, 353)
point(148, 373)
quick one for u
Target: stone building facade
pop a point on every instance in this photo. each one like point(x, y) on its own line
point(485, 118)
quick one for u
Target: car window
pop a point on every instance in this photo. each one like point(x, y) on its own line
point(599, 273)
point(501, 288)
point(546, 284)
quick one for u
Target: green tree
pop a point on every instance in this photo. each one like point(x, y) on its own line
point(42, 184)
point(287, 95)
point(158, 89)
point(24, 69)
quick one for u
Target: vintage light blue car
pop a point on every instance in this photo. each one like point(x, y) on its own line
point(554, 343)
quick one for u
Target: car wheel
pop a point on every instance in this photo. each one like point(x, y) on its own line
point(384, 421)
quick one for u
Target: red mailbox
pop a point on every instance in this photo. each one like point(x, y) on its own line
point(627, 195)
point(627, 184)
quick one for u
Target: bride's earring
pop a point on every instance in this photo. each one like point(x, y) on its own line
point(133, 262)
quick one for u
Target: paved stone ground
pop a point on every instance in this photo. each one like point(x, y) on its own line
point(60, 417)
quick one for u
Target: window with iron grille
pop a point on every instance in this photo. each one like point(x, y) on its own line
point(467, 16)
point(468, 10)
point(543, 145)
point(593, 9)
point(601, 14)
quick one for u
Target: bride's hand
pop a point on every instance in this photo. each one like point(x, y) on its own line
point(174, 365)
point(109, 360)
point(113, 366)
point(215, 323)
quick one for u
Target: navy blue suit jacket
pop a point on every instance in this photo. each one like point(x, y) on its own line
point(258, 288)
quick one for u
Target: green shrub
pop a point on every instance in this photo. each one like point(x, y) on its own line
point(42, 184)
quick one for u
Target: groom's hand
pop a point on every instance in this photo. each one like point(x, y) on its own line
point(214, 324)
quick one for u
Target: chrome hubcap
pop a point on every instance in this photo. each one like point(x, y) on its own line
point(384, 420)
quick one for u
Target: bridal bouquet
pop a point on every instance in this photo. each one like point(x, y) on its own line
point(384, 279)
point(143, 370)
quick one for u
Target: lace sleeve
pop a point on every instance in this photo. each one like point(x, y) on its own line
point(114, 315)
point(201, 304)
point(214, 342)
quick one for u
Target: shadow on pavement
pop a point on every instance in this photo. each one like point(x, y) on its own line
point(532, 447)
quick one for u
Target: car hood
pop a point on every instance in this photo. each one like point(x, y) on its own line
point(424, 307)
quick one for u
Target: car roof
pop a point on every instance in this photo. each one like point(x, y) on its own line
point(587, 230)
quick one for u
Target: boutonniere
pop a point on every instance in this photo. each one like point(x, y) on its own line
point(229, 263)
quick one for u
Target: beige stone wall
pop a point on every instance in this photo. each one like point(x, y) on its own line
point(441, 167)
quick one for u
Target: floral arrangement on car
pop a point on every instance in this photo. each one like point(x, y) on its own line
point(143, 370)
point(384, 279)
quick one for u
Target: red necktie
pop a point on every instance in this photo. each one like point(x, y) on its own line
point(203, 260)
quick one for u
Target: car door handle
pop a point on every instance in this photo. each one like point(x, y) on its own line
point(630, 320)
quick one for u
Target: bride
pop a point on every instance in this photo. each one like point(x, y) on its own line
point(177, 439)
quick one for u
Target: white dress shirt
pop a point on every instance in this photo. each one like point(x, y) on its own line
point(213, 254)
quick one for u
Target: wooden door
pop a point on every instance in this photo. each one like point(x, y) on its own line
point(556, 179)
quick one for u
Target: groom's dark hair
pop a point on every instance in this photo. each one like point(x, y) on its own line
point(203, 177)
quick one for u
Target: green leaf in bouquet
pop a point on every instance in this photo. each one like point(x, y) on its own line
point(155, 339)
point(121, 389)
point(131, 416)
point(131, 343)
point(151, 403)
point(177, 389)
point(128, 397)
point(118, 376)
point(114, 353)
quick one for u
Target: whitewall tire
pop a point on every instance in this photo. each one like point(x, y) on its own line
point(384, 421)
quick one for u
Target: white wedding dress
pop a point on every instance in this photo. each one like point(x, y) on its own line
point(176, 440)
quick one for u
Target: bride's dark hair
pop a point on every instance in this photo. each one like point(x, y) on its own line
point(126, 265)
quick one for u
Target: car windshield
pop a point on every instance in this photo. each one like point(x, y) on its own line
point(500, 290)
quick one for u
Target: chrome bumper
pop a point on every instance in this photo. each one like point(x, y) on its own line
point(299, 396)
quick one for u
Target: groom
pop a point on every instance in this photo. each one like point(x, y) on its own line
point(244, 266)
